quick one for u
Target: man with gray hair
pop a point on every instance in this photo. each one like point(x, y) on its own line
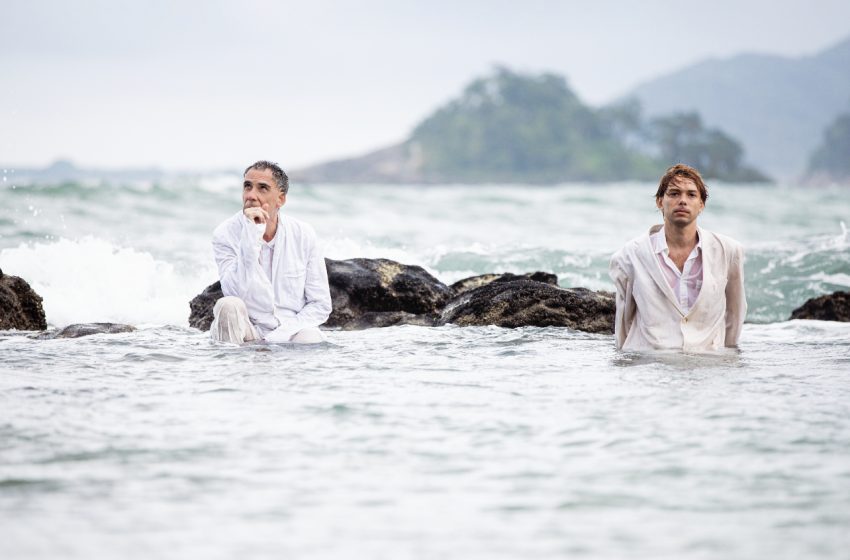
point(272, 272)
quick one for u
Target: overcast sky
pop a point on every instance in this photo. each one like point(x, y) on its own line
point(218, 84)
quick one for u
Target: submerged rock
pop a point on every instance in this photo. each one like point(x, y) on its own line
point(20, 307)
point(520, 303)
point(201, 307)
point(831, 307)
point(369, 293)
point(380, 292)
point(366, 293)
point(473, 282)
point(87, 329)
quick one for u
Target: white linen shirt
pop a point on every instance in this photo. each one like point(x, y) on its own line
point(648, 315)
point(685, 283)
point(295, 297)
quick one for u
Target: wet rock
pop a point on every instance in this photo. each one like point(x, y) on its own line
point(380, 292)
point(87, 329)
point(201, 307)
point(372, 320)
point(831, 307)
point(20, 307)
point(524, 302)
point(477, 281)
point(365, 292)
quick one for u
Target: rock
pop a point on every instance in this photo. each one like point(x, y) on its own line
point(519, 303)
point(201, 307)
point(477, 281)
point(86, 329)
point(380, 292)
point(365, 292)
point(20, 306)
point(831, 307)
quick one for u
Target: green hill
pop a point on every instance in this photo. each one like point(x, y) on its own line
point(517, 128)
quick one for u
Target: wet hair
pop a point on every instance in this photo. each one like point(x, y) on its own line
point(685, 172)
point(279, 175)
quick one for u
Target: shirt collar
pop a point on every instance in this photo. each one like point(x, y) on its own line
point(659, 243)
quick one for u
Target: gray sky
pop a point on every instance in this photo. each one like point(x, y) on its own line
point(218, 84)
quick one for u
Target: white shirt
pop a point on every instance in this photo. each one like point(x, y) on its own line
point(292, 293)
point(685, 283)
point(266, 256)
point(649, 315)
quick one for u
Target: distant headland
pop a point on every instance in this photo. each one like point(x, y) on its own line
point(510, 127)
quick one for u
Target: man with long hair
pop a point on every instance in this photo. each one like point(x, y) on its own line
point(679, 286)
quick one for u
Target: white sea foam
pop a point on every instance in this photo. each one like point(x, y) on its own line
point(91, 280)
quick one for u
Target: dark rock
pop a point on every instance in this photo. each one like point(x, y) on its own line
point(380, 292)
point(201, 307)
point(477, 281)
point(371, 320)
point(831, 307)
point(521, 303)
point(20, 306)
point(365, 292)
point(86, 329)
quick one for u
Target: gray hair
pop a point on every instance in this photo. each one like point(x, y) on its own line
point(279, 175)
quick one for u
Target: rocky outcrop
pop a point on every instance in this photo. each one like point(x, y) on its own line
point(366, 293)
point(831, 307)
point(371, 293)
point(520, 303)
point(20, 307)
point(87, 329)
point(473, 282)
point(380, 292)
point(201, 307)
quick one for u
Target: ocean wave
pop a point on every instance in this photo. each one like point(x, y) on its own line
point(90, 280)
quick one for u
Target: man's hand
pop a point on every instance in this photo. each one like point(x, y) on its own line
point(257, 214)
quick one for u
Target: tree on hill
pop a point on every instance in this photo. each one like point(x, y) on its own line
point(832, 157)
point(516, 128)
point(682, 138)
point(511, 127)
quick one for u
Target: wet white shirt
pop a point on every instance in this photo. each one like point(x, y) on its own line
point(649, 315)
point(292, 292)
point(685, 283)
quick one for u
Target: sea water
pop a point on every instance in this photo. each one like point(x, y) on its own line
point(413, 442)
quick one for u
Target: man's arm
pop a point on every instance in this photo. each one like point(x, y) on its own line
point(318, 300)
point(625, 302)
point(736, 301)
point(238, 260)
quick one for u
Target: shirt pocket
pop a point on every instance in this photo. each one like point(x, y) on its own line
point(293, 282)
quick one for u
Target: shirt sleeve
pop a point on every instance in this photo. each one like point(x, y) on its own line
point(736, 301)
point(623, 283)
point(237, 256)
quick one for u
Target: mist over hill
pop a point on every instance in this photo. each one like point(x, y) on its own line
point(777, 107)
point(520, 128)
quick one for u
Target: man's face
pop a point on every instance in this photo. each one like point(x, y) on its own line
point(259, 188)
point(681, 203)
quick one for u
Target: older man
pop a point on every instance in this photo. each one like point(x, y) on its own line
point(272, 272)
point(679, 286)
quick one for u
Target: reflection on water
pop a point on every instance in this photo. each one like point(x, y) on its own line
point(724, 358)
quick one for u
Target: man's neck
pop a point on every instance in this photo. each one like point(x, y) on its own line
point(267, 237)
point(681, 237)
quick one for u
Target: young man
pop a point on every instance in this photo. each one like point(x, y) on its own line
point(679, 286)
point(272, 272)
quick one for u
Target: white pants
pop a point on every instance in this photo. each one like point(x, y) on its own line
point(232, 324)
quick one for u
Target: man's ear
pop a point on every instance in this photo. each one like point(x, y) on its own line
point(281, 200)
point(658, 202)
